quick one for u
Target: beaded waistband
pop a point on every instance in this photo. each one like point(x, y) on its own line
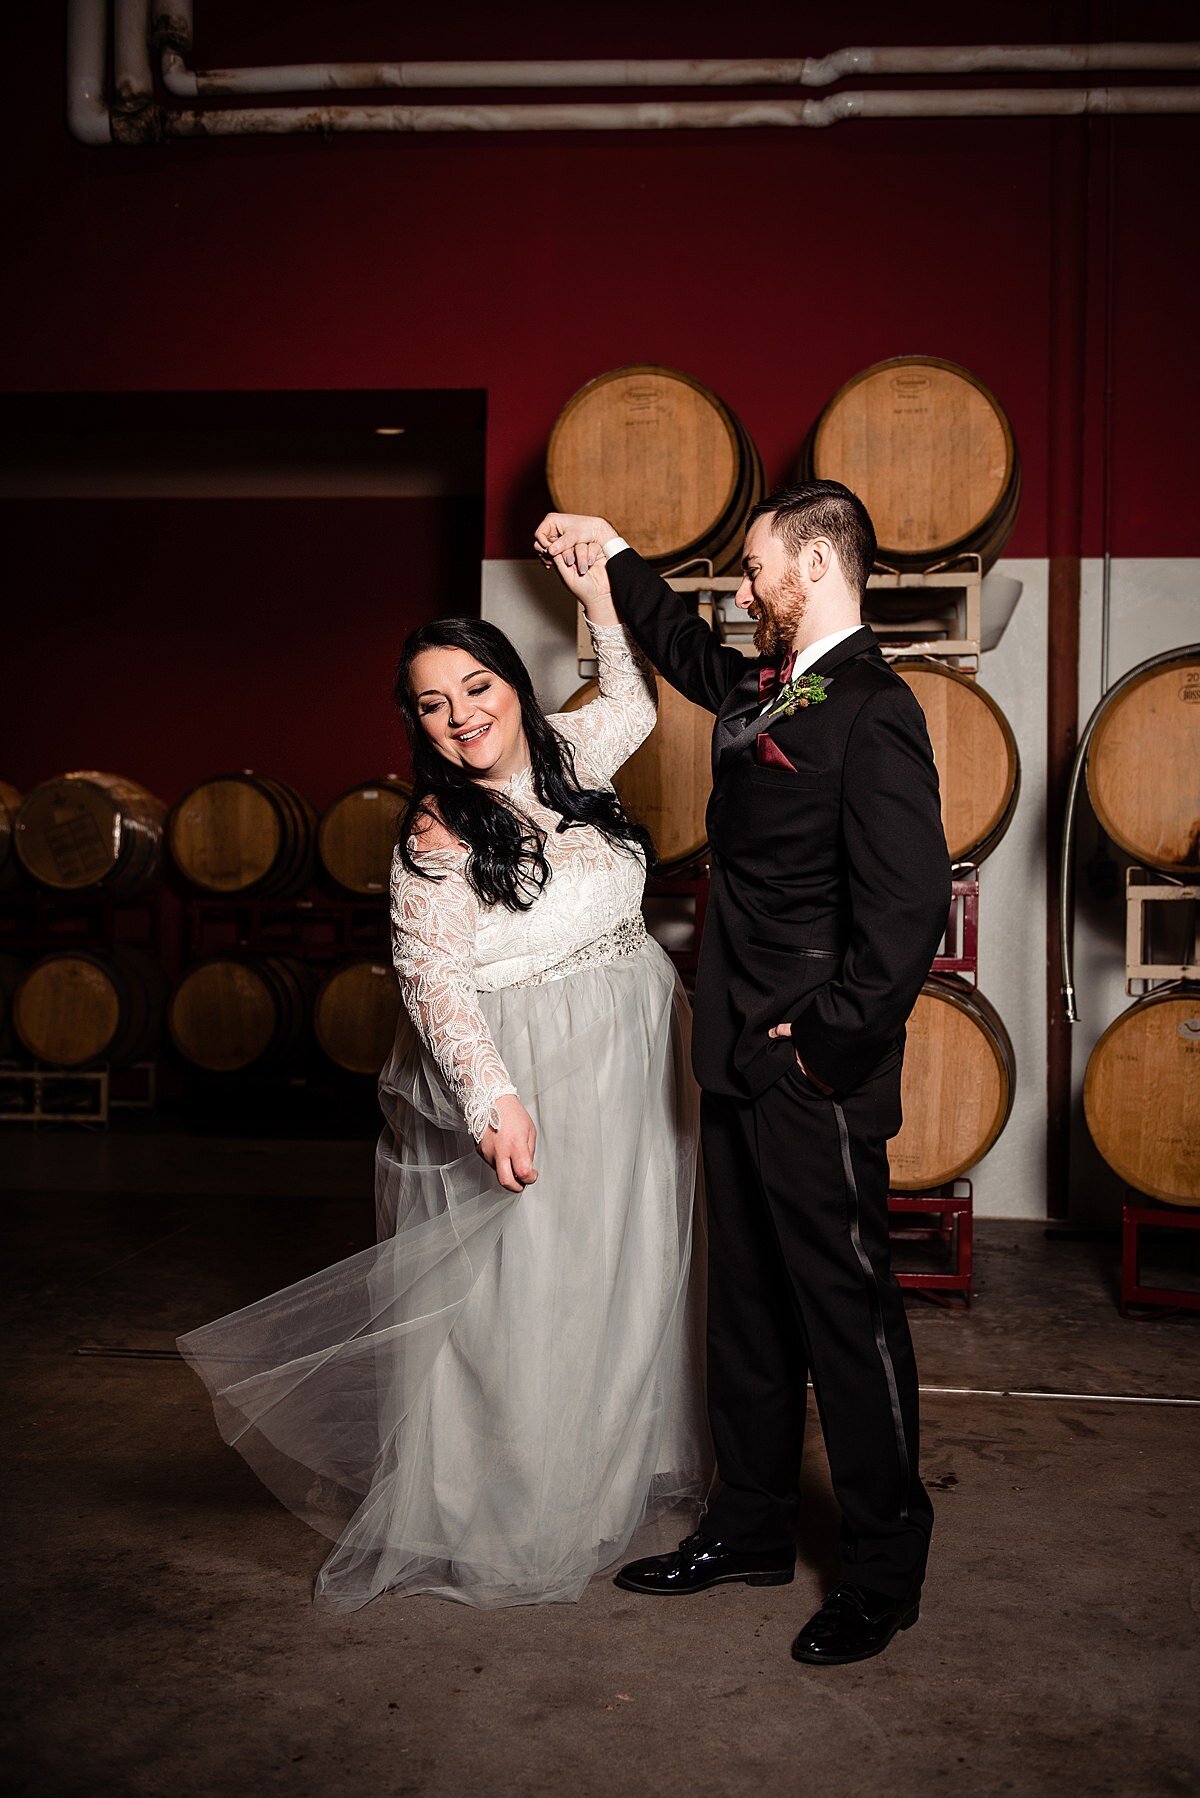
point(618, 944)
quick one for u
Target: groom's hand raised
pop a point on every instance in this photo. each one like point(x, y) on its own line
point(577, 538)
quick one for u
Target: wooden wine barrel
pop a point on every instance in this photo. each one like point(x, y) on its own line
point(959, 1081)
point(244, 835)
point(76, 1007)
point(91, 831)
point(358, 833)
point(929, 451)
point(1141, 1095)
point(10, 805)
point(979, 768)
point(666, 784)
point(1143, 766)
point(355, 1014)
point(663, 459)
point(233, 1013)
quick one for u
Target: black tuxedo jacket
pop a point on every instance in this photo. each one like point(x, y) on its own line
point(830, 880)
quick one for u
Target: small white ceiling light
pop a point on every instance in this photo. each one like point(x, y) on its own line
point(389, 430)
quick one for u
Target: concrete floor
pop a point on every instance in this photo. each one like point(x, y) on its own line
point(163, 1641)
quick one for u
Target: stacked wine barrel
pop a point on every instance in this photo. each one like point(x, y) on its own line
point(355, 1014)
point(1141, 1092)
point(243, 839)
point(676, 472)
point(87, 836)
point(245, 836)
point(931, 454)
point(357, 834)
point(958, 1085)
point(979, 768)
point(230, 1014)
point(663, 459)
point(76, 1007)
point(91, 833)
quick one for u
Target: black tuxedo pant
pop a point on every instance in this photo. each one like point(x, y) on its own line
point(800, 1284)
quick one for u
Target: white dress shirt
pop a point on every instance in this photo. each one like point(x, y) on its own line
point(815, 651)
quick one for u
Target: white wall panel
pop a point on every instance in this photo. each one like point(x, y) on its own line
point(1011, 1181)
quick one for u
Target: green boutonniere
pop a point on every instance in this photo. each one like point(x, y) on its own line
point(805, 690)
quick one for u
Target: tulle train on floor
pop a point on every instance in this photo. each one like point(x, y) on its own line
point(487, 1402)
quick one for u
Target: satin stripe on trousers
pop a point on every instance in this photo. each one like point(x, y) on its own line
point(800, 1282)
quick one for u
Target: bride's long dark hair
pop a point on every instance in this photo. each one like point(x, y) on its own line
point(506, 852)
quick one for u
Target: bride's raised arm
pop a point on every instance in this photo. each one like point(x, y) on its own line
point(606, 732)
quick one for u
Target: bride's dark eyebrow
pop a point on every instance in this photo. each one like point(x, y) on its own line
point(426, 692)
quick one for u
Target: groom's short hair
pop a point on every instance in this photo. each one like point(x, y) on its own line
point(823, 509)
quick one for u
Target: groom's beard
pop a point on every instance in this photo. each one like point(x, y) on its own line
point(780, 612)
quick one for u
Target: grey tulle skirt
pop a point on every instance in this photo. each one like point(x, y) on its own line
point(488, 1402)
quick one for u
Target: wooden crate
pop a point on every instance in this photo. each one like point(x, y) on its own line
point(1145, 890)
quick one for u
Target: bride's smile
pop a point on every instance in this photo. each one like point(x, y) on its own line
point(471, 716)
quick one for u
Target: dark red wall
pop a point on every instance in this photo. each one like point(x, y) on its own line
point(770, 264)
point(172, 640)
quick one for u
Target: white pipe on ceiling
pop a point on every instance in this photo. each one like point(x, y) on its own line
point(664, 115)
point(132, 75)
point(170, 21)
point(87, 114)
point(173, 31)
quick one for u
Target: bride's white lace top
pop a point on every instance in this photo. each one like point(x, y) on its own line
point(449, 947)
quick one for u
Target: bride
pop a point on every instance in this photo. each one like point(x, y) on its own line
point(487, 1402)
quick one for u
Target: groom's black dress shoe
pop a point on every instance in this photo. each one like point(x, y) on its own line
point(697, 1564)
point(852, 1625)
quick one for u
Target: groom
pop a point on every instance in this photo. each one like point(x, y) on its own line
point(829, 896)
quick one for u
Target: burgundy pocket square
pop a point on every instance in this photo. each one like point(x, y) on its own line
point(768, 754)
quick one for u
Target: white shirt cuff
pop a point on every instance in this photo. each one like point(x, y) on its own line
point(613, 547)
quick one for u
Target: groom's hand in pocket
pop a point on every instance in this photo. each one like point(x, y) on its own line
point(786, 1030)
point(511, 1148)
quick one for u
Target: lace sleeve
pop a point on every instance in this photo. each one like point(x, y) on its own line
point(606, 732)
point(433, 945)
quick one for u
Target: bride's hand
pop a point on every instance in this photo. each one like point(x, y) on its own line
point(510, 1149)
point(573, 535)
point(589, 584)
